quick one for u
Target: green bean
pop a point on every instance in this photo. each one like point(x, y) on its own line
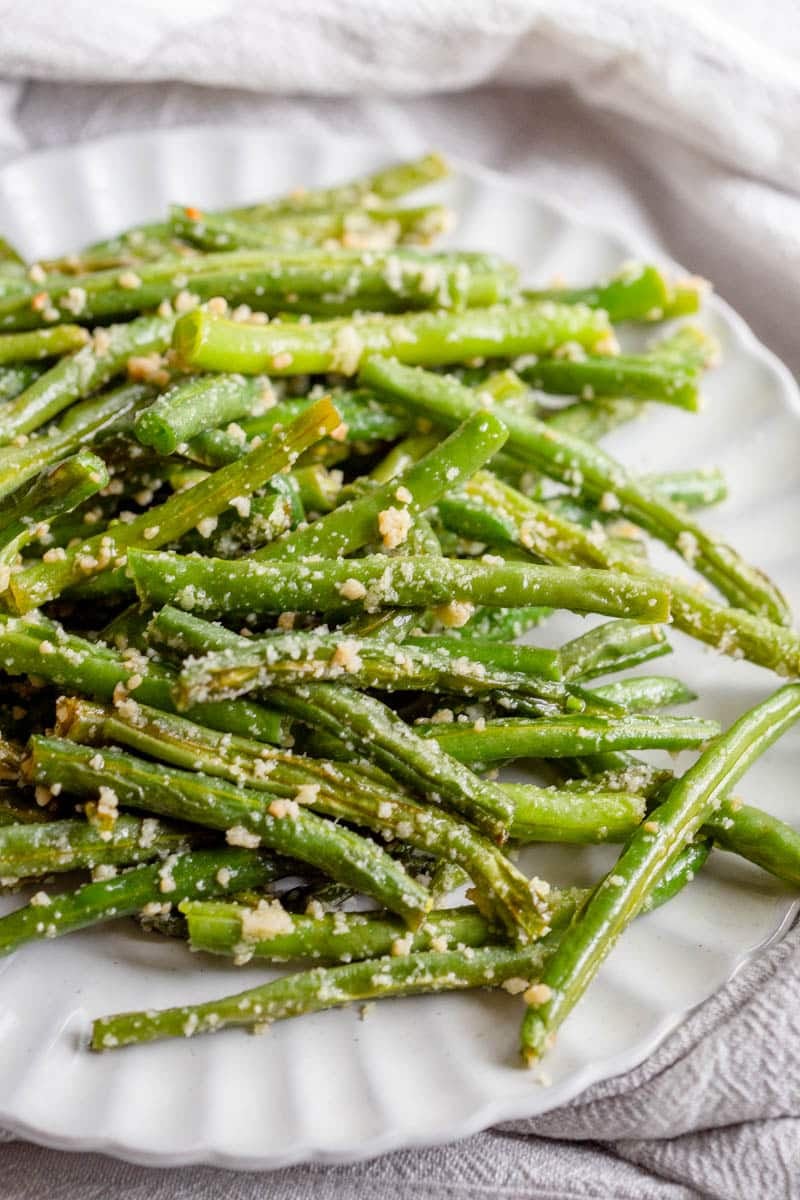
point(56, 491)
point(501, 624)
point(557, 815)
point(318, 487)
point(613, 646)
point(78, 375)
point(45, 651)
point(643, 692)
point(381, 736)
point(213, 343)
point(69, 845)
point(277, 280)
point(291, 659)
point(331, 987)
point(217, 927)
point(565, 736)
point(153, 239)
point(594, 419)
point(16, 379)
point(694, 489)
point(41, 343)
point(86, 423)
point(594, 474)
point(353, 228)
point(215, 587)
point(244, 816)
point(176, 516)
point(193, 405)
point(180, 877)
point(387, 510)
point(387, 184)
point(551, 537)
point(635, 376)
point(310, 991)
point(343, 792)
point(637, 293)
point(757, 836)
point(363, 419)
point(503, 656)
point(739, 828)
point(621, 894)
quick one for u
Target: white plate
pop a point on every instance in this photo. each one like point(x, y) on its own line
point(331, 1087)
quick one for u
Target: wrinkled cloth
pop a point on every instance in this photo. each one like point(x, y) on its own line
point(681, 126)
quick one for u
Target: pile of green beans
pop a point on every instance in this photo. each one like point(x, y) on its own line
point(280, 490)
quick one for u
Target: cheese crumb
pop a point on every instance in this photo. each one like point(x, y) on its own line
point(307, 793)
point(347, 657)
point(515, 986)
point(536, 994)
point(455, 614)
point(352, 589)
point(393, 526)
point(242, 506)
point(41, 900)
point(237, 835)
point(267, 920)
point(107, 804)
point(284, 808)
point(103, 872)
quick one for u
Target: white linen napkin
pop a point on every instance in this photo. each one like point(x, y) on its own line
point(680, 123)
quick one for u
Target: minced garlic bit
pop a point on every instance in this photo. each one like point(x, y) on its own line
point(347, 350)
point(101, 342)
point(515, 986)
point(267, 920)
point(206, 526)
point(393, 526)
point(608, 502)
point(347, 657)
point(455, 614)
point(103, 871)
point(237, 835)
point(402, 945)
point(307, 793)
point(129, 280)
point(403, 495)
point(352, 589)
point(687, 545)
point(242, 506)
point(75, 300)
point(42, 795)
point(536, 994)
point(286, 621)
point(651, 826)
point(148, 368)
point(284, 808)
point(107, 803)
point(282, 360)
